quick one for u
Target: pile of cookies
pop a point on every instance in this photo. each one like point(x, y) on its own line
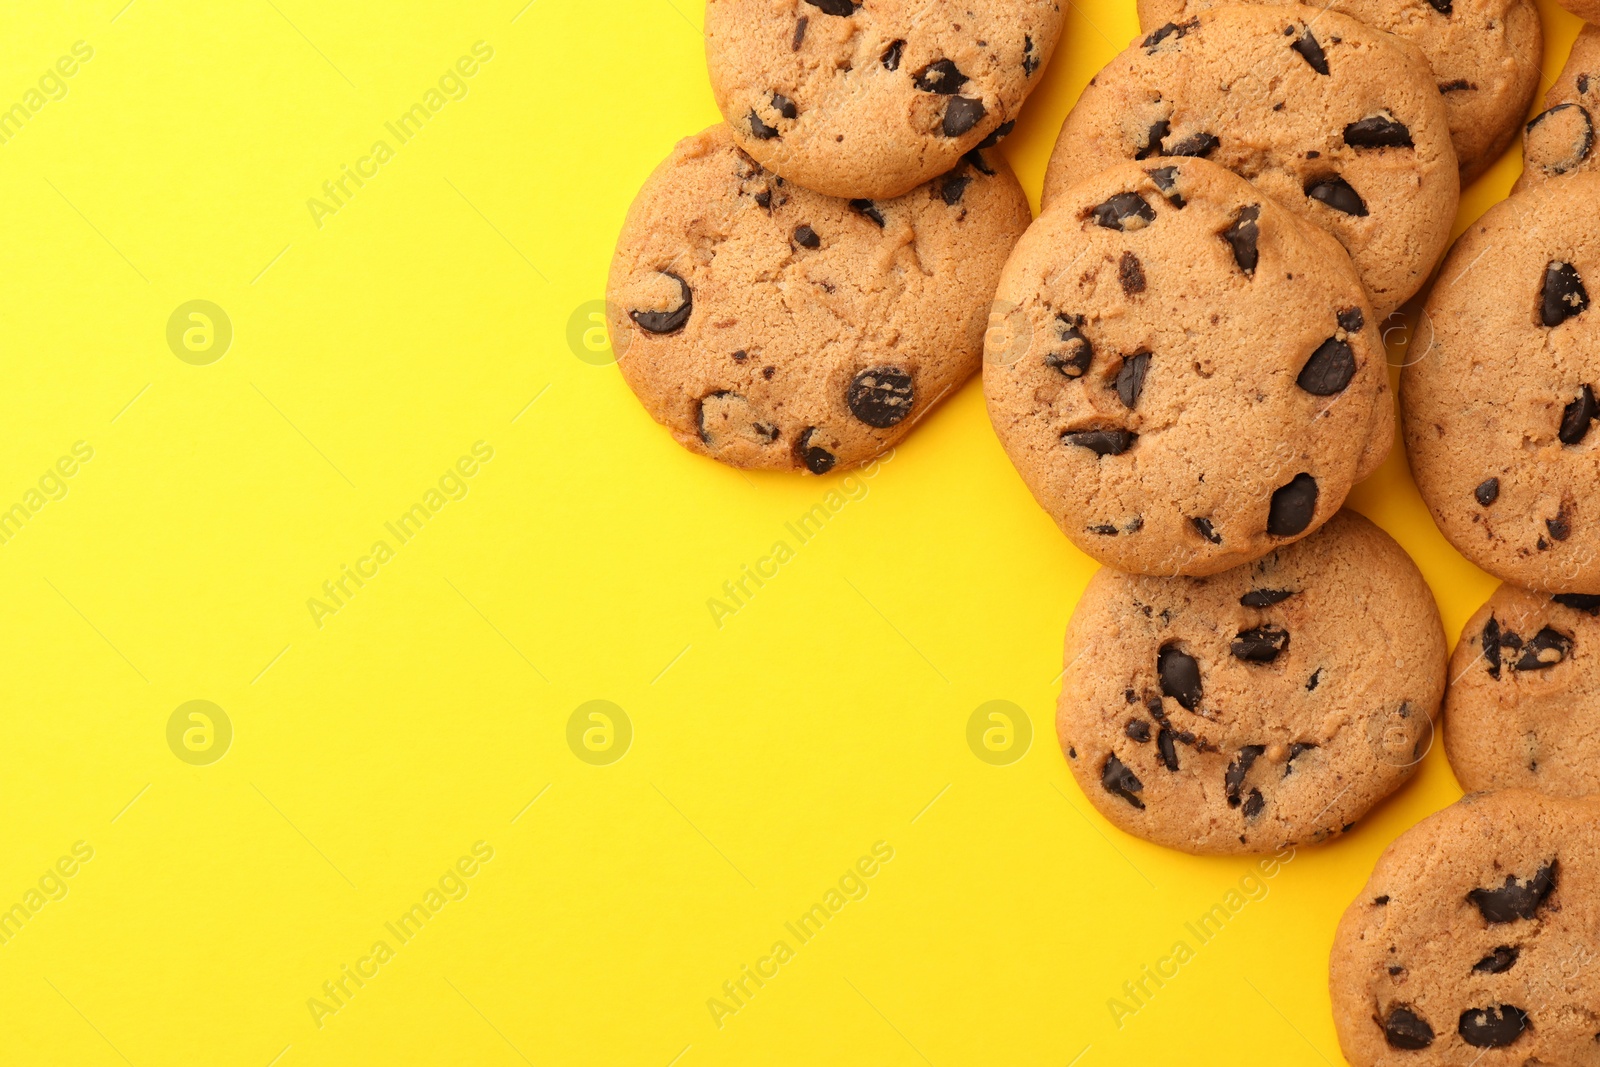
point(1182, 357)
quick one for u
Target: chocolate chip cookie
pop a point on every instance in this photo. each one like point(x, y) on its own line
point(769, 326)
point(1587, 10)
point(1523, 708)
point(1499, 391)
point(1340, 122)
point(1270, 705)
point(1560, 139)
point(1485, 57)
point(1474, 940)
point(1186, 374)
point(858, 99)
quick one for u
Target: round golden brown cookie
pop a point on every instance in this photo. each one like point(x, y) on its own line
point(1270, 705)
point(1560, 139)
point(1499, 395)
point(769, 326)
point(1474, 941)
point(1186, 374)
point(1340, 122)
point(869, 99)
point(1485, 57)
point(1523, 708)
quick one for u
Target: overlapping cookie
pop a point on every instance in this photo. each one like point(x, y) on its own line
point(1340, 122)
point(870, 99)
point(1523, 708)
point(1474, 940)
point(1484, 54)
point(1270, 705)
point(769, 326)
point(1560, 139)
point(1500, 394)
point(1186, 374)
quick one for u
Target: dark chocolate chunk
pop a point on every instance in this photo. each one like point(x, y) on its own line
point(1196, 144)
point(979, 164)
point(817, 460)
point(1587, 602)
point(1544, 649)
point(942, 77)
point(1102, 442)
point(1296, 750)
point(1180, 676)
point(1072, 359)
point(1263, 644)
point(962, 114)
point(1576, 417)
point(799, 33)
point(1206, 530)
point(1492, 1027)
point(1166, 749)
point(1130, 272)
point(1443, 7)
point(1152, 142)
point(766, 431)
point(1171, 29)
point(1487, 492)
point(1265, 598)
point(1293, 506)
point(1242, 237)
point(1351, 320)
point(760, 130)
point(1030, 57)
point(1405, 1029)
point(1114, 213)
point(1311, 52)
point(1316, 676)
point(1337, 194)
point(1329, 369)
point(1001, 132)
point(1563, 295)
point(784, 106)
point(835, 7)
point(1138, 730)
point(1459, 85)
point(1516, 899)
point(952, 188)
point(893, 54)
point(881, 396)
point(1233, 781)
point(1378, 131)
point(1580, 123)
point(667, 321)
point(1130, 378)
point(806, 237)
point(1560, 527)
point(867, 209)
point(1497, 962)
point(1254, 803)
point(1118, 780)
point(1491, 646)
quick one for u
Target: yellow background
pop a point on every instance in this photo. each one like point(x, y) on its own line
point(370, 753)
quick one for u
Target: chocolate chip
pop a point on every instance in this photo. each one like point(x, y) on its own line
point(799, 34)
point(942, 77)
point(1165, 178)
point(1001, 132)
point(1487, 492)
point(1587, 602)
point(1130, 378)
point(1293, 506)
point(1254, 803)
point(1497, 962)
point(1456, 86)
point(1544, 649)
point(868, 209)
point(1296, 750)
point(806, 237)
point(1405, 1029)
point(1072, 360)
point(893, 54)
point(1138, 730)
point(1576, 416)
point(667, 321)
point(1180, 676)
point(1564, 295)
point(835, 7)
point(979, 164)
point(962, 114)
point(1560, 527)
point(740, 356)
point(1104, 530)
point(1351, 320)
point(1152, 143)
point(760, 130)
point(1316, 676)
point(1206, 530)
point(1131, 274)
point(1337, 194)
point(1242, 237)
point(1118, 780)
point(1378, 131)
point(1329, 369)
point(766, 431)
point(1171, 29)
point(952, 188)
point(1571, 120)
point(1265, 598)
point(1263, 644)
point(1381, 901)
point(1166, 749)
point(1490, 640)
point(1516, 900)
point(1443, 7)
point(881, 396)
point(784, 106)
point(1196, 144)
point(1114, 213)
point(1030, 57)
point(1492, 1027)
point(1311, 51)
point(1102, 442)
point(818, 460)
point(1233, 781)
